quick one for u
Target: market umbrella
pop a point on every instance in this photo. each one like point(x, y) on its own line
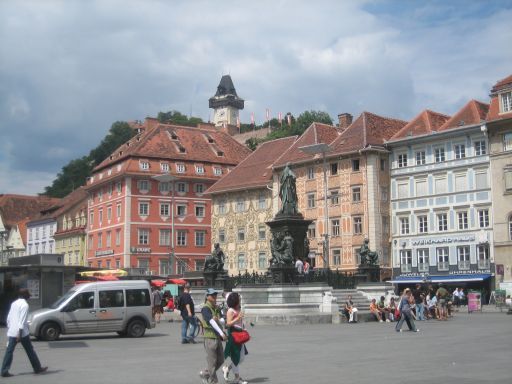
point(158, 283)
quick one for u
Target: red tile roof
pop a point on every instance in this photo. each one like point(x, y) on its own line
point(501, 84)
point(367, 130)
point(77, 197)
point(474, 112)
point(316, 133)
point(494, 108)
point(426, 122)
point(256, 170)
point(14, 208)
point(22, 228)
point(173, 142)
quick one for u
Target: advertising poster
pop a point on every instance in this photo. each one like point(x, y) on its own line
point(33, 287)
point(474, 301)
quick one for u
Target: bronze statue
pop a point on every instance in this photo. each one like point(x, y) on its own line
point(215, 262)
point(288, 192)
point(367, 256)
point(281, 248)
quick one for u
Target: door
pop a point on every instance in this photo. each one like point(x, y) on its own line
point(51, 287)
point(79, 315)
point(111, 310)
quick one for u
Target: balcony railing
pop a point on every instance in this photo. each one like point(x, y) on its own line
point(484, 264)
point(443, 266)
point(406, 267)
point(423, 267)
point(464, 265)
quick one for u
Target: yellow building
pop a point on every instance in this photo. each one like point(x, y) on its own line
point(242, 201)
point(71, 225)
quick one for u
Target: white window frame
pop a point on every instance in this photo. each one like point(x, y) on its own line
point(335, 227)
point(444, 217)
point(463, 257)
point(506, 102)
point(421, 157)
point(181, 168)
point(439, 154)
point(483, 218)
point(462, 220)
point(402, 160)
point(200, 238)
point(483, 256)
point(443, 258)
point(459, 151)
point(405, 227)
point(423, 259)
point(405, 260)
point(422, 223)
point(143, 236)
point(480, 147)
point(144, 165)
point(143, 211)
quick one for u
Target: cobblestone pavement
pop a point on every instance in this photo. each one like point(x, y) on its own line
point(469, 349)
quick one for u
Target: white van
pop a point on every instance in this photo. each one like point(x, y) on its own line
point(122, 306)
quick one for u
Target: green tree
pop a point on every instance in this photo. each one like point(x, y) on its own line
point(175, 117)
point(75, 173)
point(252, 143)
point(307, 118)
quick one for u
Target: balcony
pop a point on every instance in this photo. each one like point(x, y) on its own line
point(423, 267)
point(406, 268)
point(464, 265)
point(443, 266)
point(484, 264)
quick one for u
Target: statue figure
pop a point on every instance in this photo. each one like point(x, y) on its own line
point(288, 192)
point(367, 256)
point(281, 247)
point(215, 262)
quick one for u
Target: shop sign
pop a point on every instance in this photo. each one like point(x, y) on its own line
point(474, 301)
point(471, 272)
point(33, 288)
point(104, 252)
point(140, 250)
point(443, 240)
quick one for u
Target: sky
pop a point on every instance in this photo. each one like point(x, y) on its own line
point(69, 69)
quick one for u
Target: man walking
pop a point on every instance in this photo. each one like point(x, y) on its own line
point(17, 331)
point(213, 337)
point(188, 315)
point(157, 304)
point(418, 301)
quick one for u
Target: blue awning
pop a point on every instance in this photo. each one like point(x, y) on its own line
point(459, 278)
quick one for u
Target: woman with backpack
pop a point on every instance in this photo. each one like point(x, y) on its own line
point(406, 301)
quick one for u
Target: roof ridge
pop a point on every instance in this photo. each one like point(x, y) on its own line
point(385, 117)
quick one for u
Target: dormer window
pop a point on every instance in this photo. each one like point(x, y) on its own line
point(180, 168)
point(506, 102)
point(182, 149)
point(217, 171)
point(220, 153)
point(144, 165)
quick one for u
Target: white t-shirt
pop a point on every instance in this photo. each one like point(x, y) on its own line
point(299, 266)
point(17, 319)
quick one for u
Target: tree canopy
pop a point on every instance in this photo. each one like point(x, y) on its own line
point(74, 174)
point(175, 117)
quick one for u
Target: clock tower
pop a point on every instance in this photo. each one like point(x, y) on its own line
point(226, 104)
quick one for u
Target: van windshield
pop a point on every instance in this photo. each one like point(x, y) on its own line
point(62, 299)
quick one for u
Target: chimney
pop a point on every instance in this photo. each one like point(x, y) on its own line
point(344, 120)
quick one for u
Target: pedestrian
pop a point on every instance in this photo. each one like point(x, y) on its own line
point(213, 337)
point(406, 312)
point(17, 331)
point(442, 299)
point(234, 323)
point(187, 311)
point(299, 265)
point(307, 267)
point(418, 300)
point(157, 304)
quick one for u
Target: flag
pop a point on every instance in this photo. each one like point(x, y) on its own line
point(252, 118)
point(289, 118)
point(280, 117)
point(238, 123)
point(268, 114)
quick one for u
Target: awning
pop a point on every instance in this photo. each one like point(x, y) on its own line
point(158, 283)
point(177, 281)
point(442, 278)
point(104, 272)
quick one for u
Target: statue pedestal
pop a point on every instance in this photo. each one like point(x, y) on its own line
point(370, 273)
point(215, 279)
point(283, 274)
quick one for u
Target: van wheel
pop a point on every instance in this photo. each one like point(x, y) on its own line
point(136, 328)
point(50, 332)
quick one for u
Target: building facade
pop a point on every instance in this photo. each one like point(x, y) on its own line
point(357, 199)
point(40, 234)
point(242, 204)
point(147, 206)
point(71, 226)
point(499, 128)
point(441, 200)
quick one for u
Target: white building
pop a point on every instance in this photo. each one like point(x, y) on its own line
point(441, 200)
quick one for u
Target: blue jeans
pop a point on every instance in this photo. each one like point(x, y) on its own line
point(407, 317)
point(185, 324)
point(27, 345)
point(420, 308)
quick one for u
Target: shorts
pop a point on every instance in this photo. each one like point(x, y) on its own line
point(442, 303)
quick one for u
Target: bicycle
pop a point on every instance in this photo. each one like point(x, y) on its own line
point(199, 328)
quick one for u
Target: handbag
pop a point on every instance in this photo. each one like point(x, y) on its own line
point(397, 313)
point(240, 337)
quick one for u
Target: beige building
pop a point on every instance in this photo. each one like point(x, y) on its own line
point(71, 226)
point(242, 201)
point(357, 188)
point(499, 128)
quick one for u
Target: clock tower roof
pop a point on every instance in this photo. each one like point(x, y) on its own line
point(226, 95)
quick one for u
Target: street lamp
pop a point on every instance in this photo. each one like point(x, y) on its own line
point(315, 149)
point(166, 178)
